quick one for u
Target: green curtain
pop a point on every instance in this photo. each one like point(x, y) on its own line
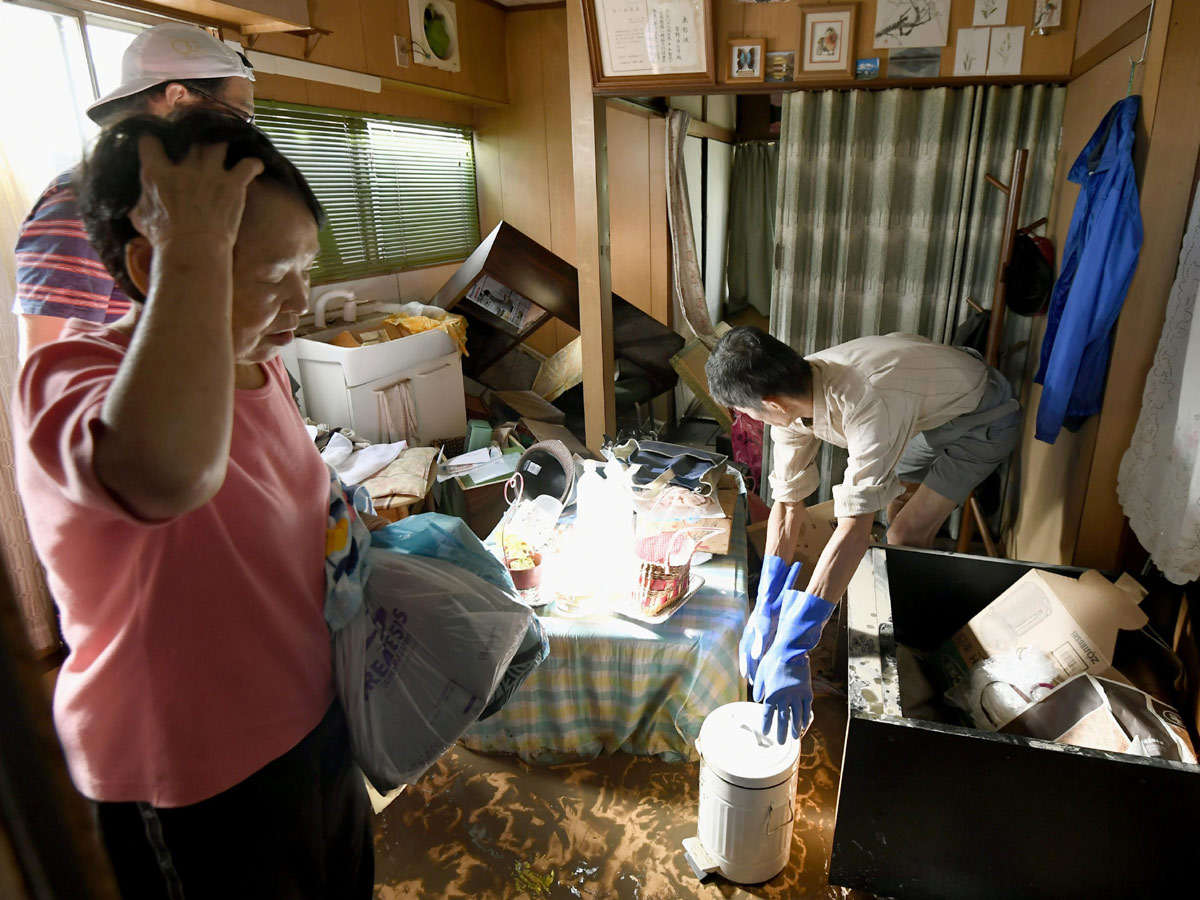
point(751, 243)
point(884, 221)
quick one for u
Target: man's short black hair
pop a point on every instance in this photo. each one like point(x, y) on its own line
point(748, 364)
point(108, 183)
point(115, 110)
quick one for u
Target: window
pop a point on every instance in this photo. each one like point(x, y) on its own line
point(108, 39)
point(55, 61)
point(398, 193)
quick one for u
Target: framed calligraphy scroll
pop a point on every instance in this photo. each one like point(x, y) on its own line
point(650, 46)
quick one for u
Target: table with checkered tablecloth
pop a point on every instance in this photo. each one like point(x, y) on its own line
point(611, 683)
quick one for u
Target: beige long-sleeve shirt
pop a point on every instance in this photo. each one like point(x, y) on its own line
point(872, 396)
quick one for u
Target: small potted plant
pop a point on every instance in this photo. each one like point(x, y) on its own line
point(523, 562)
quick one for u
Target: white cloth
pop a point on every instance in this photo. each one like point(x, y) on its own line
point(397, 412)
point(872, 396)
point(356, 466)
point(337, 450)
point(368, 461)
point(1159, 480)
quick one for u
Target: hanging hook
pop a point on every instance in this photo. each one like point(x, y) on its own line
point(1146, 40)
point(1134, 63)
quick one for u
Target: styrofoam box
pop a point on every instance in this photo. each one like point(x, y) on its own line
point(339, 383)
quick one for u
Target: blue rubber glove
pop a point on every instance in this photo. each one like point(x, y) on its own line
point(764, 619)
point(784, 683)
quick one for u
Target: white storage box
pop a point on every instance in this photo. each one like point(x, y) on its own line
point(339, 383)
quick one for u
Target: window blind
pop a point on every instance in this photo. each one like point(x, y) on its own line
point(398, 193)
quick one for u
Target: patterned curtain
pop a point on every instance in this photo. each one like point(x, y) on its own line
point(753, 189)
point(24, 570)
point(884, 221)
point(688, 282)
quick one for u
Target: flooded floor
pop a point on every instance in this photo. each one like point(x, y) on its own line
point(493, 827)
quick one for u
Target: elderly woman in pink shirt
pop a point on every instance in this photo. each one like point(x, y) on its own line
point(179, 509)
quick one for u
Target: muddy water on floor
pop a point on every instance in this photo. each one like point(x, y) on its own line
point(493, 827)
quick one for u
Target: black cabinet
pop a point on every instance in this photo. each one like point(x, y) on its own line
point(928, 810)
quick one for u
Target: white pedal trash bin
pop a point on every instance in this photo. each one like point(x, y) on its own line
point(747, 796)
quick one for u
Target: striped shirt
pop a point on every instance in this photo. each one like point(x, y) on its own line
point(872, 396)
point(59, 273)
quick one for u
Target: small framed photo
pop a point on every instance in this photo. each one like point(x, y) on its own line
point(866, 68)
point(747, 59)
point(781, 66)
point(828, 39)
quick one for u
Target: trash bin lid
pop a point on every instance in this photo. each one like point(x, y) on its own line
point(732, 744)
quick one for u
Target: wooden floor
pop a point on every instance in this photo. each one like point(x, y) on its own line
point(493, 827)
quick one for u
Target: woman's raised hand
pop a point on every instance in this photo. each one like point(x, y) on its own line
point(194, 199)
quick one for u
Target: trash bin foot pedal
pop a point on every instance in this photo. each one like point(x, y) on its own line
point(698, 858)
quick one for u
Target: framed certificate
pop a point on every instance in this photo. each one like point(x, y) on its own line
point(649, 45)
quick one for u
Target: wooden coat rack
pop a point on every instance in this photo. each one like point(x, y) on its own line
point(972, 513)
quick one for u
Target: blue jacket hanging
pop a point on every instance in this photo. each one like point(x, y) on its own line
point(1098, 263)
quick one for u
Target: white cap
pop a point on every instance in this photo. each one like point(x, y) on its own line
point(734, 747)
point(173, 51)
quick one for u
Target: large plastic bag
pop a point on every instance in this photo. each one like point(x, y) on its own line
point(444, 537)
point(534, 648)
point(419, 663)
point(448, 538)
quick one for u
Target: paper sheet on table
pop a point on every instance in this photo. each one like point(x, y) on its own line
point(505, 465)
point(474, 457)
point(466, 463)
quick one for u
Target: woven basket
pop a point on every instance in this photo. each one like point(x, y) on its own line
point(665, 567)
point(659, 585)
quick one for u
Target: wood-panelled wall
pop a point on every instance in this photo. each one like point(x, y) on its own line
point(525, 175)
point(1069, 510)
point(362, 39)
point(1046, 57)
point(387, 102)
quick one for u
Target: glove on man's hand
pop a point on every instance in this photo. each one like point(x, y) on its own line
point(764, 619)
point(784, 683)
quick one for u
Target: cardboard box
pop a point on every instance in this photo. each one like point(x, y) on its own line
point(481, 505)
point(528, 405)
point(816, 530)
point(1073, 621)
point(718, 543)
point(548, 431)
point(688, 363)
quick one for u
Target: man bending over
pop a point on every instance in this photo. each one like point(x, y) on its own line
point(923, 424)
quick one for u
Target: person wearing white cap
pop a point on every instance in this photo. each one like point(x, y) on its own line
point(59, 274)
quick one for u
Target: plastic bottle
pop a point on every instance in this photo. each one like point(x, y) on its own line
point(618, 508)
point(604, 530)
point(589, 500)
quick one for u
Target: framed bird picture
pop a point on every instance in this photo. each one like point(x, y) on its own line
point(828, 37)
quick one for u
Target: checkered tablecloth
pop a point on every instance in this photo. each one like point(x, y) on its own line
point(612, 684)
